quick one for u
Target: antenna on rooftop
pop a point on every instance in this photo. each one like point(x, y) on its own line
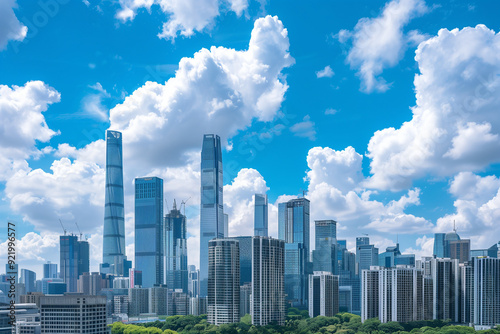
point(454, 226)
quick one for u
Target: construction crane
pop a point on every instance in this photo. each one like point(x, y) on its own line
point(79, 231)
point(62, 226)
point(184, 203)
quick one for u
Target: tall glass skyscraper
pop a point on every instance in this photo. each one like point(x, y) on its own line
point(113, 250)
point(293, 228)
point(211, 208)
point(50, 270)
point(439, 245)
point(325, 254)
point(260, 215)
point(176, 269)
point(74, 260)
point(149, 230)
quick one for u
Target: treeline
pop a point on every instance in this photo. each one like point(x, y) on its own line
point(297, 322)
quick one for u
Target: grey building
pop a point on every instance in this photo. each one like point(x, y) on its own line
point(73, 314)
point(194, 282)
point(211, 207)
point(149, 230)
point(138, 299)
point(460, 250)
point(260, 215)
point(114, 215)
point(176, 267)
point(223, 281)
point(245, 299)
point(293, 228)
point(323, 294)
point(158, 300)
point(178, 302)
point(268, 281)
point(445, 275)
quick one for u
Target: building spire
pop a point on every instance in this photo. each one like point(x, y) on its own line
point(175, 206)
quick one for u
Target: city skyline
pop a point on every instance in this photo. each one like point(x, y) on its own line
point(354, 149)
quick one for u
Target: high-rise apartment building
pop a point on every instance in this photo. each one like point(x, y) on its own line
point(260, 215)
point(445, 275)
point(323, 294)
point(113, 250)
point(211, 207)
point(74, 260)
point(293, 228)
point(149, 230)
point(73, 314)
point(176, 267)
point(223, 281)
point(268, 281)
point(486, 292)
point(138, 299)
point(158, 300)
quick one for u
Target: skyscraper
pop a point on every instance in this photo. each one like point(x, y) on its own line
point(366, 256)
point(460, 250)
point(149, 230)
point(223, 281)
point(323, 294)
point(50, 270)
point(268, 281)
point(113, 250)
point(176, 267)
point(74, 260)
point(486, 292)
point(439, 245)
point(28, 278)
point(245, 244)
point(293, 228)
point(445, 279)
point(325, 254)
point(211, 208)
point(260, 215)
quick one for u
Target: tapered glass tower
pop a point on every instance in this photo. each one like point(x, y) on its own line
point(176, 268)
point(260, 215)
point(211, 209)
point(113, 250)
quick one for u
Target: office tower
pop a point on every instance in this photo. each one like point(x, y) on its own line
point(494, 250)
point(360, 241)
point(392, 294)
point(325, 254)
point(211, 208)
point(158, 300)
point(445, 279)
point(194, 282)
point(113, 249)
point(293, 228)
point(50, 270)
point(260, 215)
point(149, 230)
point(366, 256)
point(460, 250)
point(178, 302)
point(245, 299)
point(245, 245)
point(323, 294)
point(57, 288)
point(226, 225)
point(268, 281)
point(74, 260)
point(120, 304)
point(135, 277)
point(73, 314)
point(486, 292)
point(439, 245)
point(223, 281)
point(91, 283)
point(388, 258)
point(448, 239)
point(28, 278)
point(138, 301)
point(176, 271)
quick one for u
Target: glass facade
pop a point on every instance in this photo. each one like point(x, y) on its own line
point(245, 259)
point(114, 218)
point(293, 227)
point(149, 230)
point(211, 208)
point(74, 260)
point(50, 270)
point(325, 254)
point(176, 268)
point(260, 215)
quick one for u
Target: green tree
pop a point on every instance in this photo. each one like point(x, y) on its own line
point(391, 327)
point(370, 325)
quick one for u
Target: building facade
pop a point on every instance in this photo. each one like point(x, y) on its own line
point(323, 294)
point(176, 267)
point(114, 215)
point(325, 253)
point(149, 230)
point(74, 260)
point(211, 207)
point(223, 281)
point(260, 215)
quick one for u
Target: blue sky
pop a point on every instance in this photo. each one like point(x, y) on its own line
point(318, 97)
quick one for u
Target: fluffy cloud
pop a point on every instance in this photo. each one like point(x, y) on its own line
point(185, 17)
point(92, 104)
point(336, 192)
point(327, 72)
point(477, 209)
point(23, 124)
point(10, 27)
point(379, 43)
point(306, 128)
point(455, 124)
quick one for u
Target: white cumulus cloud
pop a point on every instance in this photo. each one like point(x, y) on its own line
point(10, 27)
point(455, 125)
point(327, 72)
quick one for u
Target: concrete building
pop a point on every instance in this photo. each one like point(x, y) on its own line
point(323, 294)
point(138, 301)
